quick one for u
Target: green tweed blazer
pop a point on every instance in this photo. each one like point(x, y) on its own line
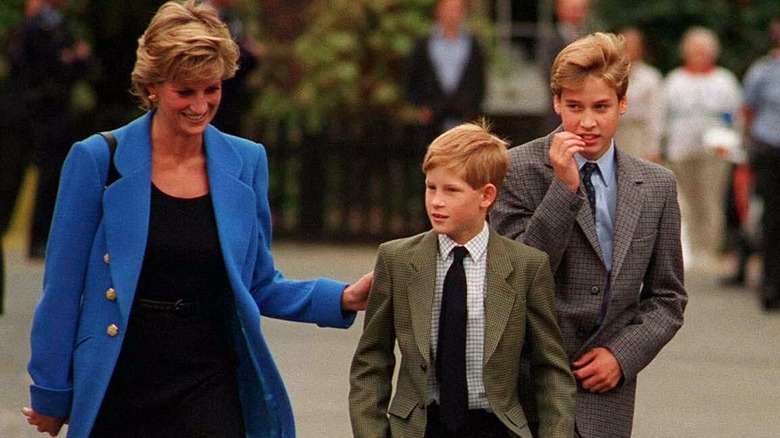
point(519, 313)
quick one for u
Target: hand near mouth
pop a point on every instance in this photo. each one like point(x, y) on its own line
point(564, 146)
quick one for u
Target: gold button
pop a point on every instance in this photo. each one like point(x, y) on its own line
point(112, 330)
point(111, 294)
point(106, 258)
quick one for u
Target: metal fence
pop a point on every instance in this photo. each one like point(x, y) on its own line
point(359, 184)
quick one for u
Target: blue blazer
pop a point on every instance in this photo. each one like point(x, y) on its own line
point(97, 243)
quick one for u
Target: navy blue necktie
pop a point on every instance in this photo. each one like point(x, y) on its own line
point(586, 172)
point(451, 351)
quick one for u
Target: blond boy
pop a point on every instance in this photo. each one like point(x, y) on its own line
point(610, 224)
point(508, 306)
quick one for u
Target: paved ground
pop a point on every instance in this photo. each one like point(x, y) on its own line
point(720, 377)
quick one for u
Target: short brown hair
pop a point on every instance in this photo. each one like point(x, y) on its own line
point(472, 150)
point(602, 55)
point(185, 41)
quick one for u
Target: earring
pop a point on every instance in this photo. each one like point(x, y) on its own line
point(152, 97)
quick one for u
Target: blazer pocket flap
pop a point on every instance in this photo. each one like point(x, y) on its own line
point(402, 407)
point(516, 416)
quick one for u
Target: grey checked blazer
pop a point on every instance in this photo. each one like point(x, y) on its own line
point(645, 295)
point(519, 311)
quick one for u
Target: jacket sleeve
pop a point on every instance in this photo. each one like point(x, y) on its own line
point(55, 322)
point(371, 373)
point(317, 301)
point(663, 297)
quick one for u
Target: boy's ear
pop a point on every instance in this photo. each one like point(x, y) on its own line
point(489, 194)
point(557, 104)
point(623, 104)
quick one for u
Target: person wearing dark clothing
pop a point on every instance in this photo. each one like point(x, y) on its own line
point(51, 60)
point(762, 124)
point(446, 75)
point(235, 98)
point(15, 133)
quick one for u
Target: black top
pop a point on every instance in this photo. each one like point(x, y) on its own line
point(183, 259)
point(176, 371)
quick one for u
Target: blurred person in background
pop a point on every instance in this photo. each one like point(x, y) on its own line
point(762, 126)
point(15, 134)
point(642, 126)
point(154, 285)
point(235, 95)
point(50, 61)
point(700, 96)
point(445, 78)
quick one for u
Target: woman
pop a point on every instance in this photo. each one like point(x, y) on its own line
point(149, 324)
point(700, 95)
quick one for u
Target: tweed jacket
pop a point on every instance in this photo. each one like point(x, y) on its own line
point(97, 243)
point(644, 296)
point(519, 312)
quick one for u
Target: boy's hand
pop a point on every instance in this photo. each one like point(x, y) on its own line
point(597, 370)
point(44, 423)
point(564, 145)
point(355, 295)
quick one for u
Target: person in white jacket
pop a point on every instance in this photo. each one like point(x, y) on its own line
point(700, 95)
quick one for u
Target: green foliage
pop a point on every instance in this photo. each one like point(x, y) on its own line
point(345, 66)
point(740, 24)
point(11, 14)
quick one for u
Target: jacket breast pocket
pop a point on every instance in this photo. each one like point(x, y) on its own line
point(642, 247)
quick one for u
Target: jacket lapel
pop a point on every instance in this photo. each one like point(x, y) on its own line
point(629, 207)
point(234, 201)
point(420, 291)
point(500, 297)
point(126, 205)
point(587, 224)
point(126, 210)
point(499, 300)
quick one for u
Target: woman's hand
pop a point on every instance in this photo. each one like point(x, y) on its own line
point(355, 295)
point(44, 423)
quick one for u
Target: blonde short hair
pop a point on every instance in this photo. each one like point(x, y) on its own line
point(602, 55)
point(470, 149)
point(187, 42)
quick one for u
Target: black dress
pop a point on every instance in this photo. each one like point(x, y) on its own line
point(176, 373)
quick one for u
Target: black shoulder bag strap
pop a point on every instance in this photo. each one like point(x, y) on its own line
point(113, 174)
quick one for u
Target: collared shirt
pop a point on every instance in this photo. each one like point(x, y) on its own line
point(762, 94)
point(475, 265)
point(606, 200)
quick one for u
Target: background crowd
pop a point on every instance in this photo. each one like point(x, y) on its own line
point(65, 66)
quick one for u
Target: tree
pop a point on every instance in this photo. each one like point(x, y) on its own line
point(740, 24)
